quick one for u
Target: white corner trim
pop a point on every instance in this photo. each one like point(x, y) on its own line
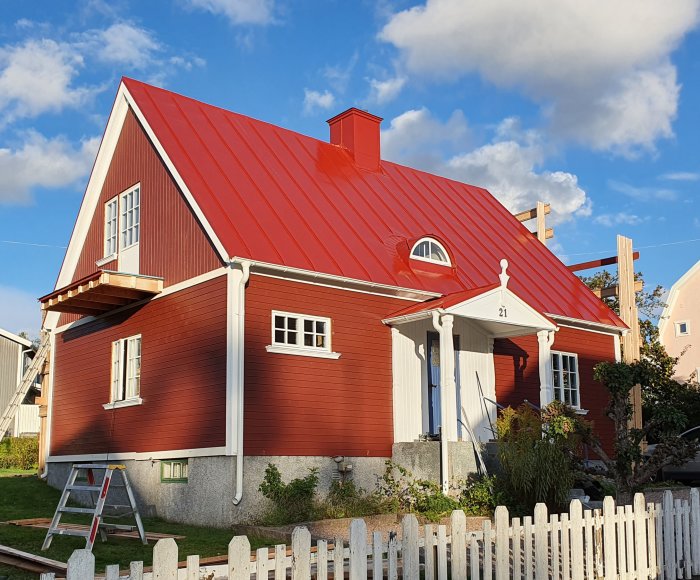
point(301, 351)
point(106, 260)
point(124, 403)
point(140, 456)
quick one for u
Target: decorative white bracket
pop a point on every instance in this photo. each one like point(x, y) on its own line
point(503, 276)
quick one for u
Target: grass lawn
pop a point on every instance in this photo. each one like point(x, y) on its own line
point(28, 497)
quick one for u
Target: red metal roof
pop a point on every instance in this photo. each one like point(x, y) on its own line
point(277, 196)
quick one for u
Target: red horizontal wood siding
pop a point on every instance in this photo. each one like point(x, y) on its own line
point(517, 372)
point(183, 377)
point(298, 405)
point(172, 242)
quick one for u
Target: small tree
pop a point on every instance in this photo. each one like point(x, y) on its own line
point(628, 466)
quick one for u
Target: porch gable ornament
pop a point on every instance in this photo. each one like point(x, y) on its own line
point(503, 276)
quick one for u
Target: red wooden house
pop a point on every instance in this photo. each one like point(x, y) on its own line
point(235, 293)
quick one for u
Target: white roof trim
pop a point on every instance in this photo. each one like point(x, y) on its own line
point(18, 339)
point(117, 116)
point(587, 324)
point(673, 296)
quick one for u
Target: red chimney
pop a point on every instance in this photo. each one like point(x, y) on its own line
point(358, 132)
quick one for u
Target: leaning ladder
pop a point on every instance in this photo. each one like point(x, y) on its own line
point(24, 385)
point(99, 504)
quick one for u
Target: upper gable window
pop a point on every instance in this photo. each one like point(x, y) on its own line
point(130, 218)
point(430, 250)
point(111, 215)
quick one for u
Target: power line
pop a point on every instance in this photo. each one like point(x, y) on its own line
point(31, 244)
point(637, 247)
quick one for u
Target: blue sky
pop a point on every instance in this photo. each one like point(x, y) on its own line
point(591, 106)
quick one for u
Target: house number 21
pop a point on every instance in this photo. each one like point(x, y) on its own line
point(502, 312)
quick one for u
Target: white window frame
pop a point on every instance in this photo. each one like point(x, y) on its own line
point(298, 348)
point(126, 213)
point(125, 382)
point(111, 232)
point(677, 326)
point(118, 233)
point(559, 390)
point(428, 259)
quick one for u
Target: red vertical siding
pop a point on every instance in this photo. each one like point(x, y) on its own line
point(183, 377)
point(517, 371)
point(172, 242)
point(297, 405)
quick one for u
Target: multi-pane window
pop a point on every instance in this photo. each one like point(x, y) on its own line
point(111, 216)
point(129, 219)
point(297, 330)
point(126, 368)
point(430, 250)
point(174, 471)
point(566, 379)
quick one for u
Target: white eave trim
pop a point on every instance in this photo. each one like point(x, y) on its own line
point(18, 339)
point(673, 297)
point(140, 456)
point(588, 325)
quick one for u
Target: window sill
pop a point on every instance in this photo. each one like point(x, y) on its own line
point(106, 260)
point(582, 412)
point(318, 353)
point(124, 403)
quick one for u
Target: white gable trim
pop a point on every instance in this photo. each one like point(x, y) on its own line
point(673, 296)
point(117, 116)
point(13, 337)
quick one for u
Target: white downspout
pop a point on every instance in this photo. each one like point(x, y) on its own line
point(545, 339)
point(444, 449)
point(241, 279)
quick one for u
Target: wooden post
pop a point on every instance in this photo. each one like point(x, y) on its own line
point(165, 559)
point(609, 539)
point(321, 560)
point(631, 342)
point(193, 567)
point(301, 554)
point(281, 562)
point(458, 523)
point(441, 553)
point(393, 566)
point(409, 547)
point(541, 543)
point(112, 572)
point(541, 227)
point(502, 522)
point(640, 536)
point(377, 556)
point(668, 535)
point(81, 565)
point(358, 549)
point(338, 560)
point(238, 558)
point(136, 571)
point(576, 520)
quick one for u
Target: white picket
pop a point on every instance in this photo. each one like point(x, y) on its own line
point(442, 552)
point(473, 558)
point(669, 535)
point(81, 565)
point(409, 547)
point(338, 559)
point(429, 552)
point(502, 543)
point(527, 546)
point(193, 567)
point(565, 544)
point(588, 544)
point(629, 537)
point(458, 564)
point(517, 533)
point(621, 561)
point(238, 558)
point(687, 555)
point(640, 536)
point(554, 529)
point(598, 543)
point(47, 576)
point(660, 541)
point(112, 572)
point(393, 569)
point(322, 560)
point(377, 556)
point(261, 564)
point(301, 554)
point(695, 529)
point(541, 544)
point(653, 570)
point(165, 559)
point(136, 571)
point(678, 525)
point(576, 523)
point(610, 549)
point(488, 550)
point(280, 562)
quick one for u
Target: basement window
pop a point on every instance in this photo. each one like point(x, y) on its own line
point(301, 334)
point(430, 250)
point(566, 378)
point(173, 471)
point(126, 372)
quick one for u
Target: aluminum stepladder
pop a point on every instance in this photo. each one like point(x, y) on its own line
point(102, 490)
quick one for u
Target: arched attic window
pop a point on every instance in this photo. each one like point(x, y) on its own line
point(430, 250)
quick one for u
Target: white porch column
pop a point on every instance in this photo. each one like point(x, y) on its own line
point(545, 338)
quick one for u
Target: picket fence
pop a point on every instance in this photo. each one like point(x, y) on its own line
point(625, 542)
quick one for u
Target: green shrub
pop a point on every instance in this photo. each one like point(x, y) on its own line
point(19, 453)
point(291, 502)
point(346, 500)
point(480, 495)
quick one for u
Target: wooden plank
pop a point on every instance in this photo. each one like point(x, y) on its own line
point(660, 546)
point(45, 563)
point(136, 571)
point(629, 535)
point(377, 555)
point(609, 539)
point(554, 529)
point(612, 291)
point(621, 546)
point(409, 547)
point(81, 565)
point(542, 230)
point(598, 263)
point(588, 545)
point(565, 547)
point(301, 554)
point(458, 525)
point(653, 570)
point(281, 561)
point(695, 529)
point(441, 553)
point(678, 525)
point(687, 554)
point(517, 532)
point(488, 550)
point(527, 546)
point(239, 558)
point(338, 558)
point(640, 536)
point(43, 523)
point(429, 551)
point(112, 572)
point(548, 234)
point(473, 558)
point(502, 543)
point(531, 214)
point(541, 543)
point(261, 564)
point(165, 559)
point(577, 533)
point(47, 576)
point(322, 560)
point(669, 550)
point(393, 557)
point(358, 549)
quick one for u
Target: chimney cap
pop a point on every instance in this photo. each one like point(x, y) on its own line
point(354, 111)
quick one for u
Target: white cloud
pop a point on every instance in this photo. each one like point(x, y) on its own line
point(37, 77)
point(19, 311)
point(239, 11)
point(125, 44)
point(681, 176)
point(338, 76)
point(42, 162)
point(643, 193)
point(387, 90)
point(314, 100)
point(509, 167)
point(600, 69)
point(620, 218)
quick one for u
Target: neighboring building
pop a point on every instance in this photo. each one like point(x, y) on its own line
point(15, 354)
point(283, 299)
point(679, 325)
